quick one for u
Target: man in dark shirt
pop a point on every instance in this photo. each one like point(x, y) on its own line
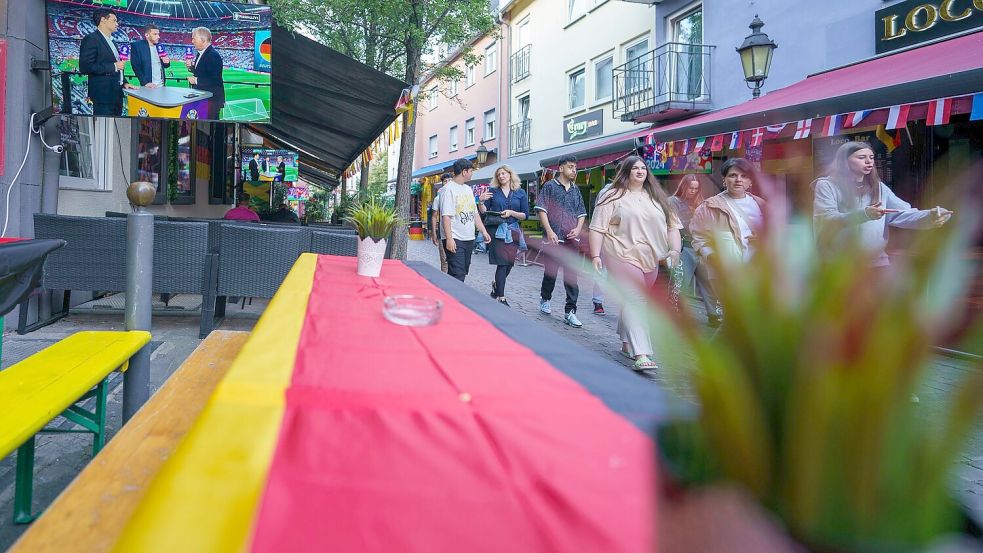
point(562, 213)
point(284, 215)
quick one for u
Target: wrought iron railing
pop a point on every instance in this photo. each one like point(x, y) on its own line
point(519, 137)
point(520, 63)
point(672, 73)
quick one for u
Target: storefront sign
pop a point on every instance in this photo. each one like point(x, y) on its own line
point(584, 126)
point(917, 21)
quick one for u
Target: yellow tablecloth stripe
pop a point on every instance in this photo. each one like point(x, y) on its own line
point(205, 497)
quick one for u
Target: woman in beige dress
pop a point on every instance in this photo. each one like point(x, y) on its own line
point(635, 228)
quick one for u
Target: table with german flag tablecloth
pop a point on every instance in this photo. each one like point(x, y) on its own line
point(336, 430)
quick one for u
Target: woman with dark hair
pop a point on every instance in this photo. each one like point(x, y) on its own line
point(636, 228)
point(506, 206)
point(853, 199)
point(725, 224)
point(688, 196)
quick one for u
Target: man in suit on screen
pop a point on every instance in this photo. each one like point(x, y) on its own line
point(99, 59)
point(147, 63)
point(254, 167)
point(207, 71)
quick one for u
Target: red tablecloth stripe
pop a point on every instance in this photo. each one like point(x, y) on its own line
point(444, 438)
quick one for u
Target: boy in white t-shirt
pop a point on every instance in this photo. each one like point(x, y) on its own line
point(459, 219)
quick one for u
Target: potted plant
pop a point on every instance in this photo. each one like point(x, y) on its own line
point(374, 223)
point(808, 395)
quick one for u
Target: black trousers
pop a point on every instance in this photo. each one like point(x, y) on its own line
point(501, 273)
point(459, 262)
point(108, 110)
point(552, 263)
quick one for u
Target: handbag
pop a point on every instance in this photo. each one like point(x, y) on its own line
point(492, 219)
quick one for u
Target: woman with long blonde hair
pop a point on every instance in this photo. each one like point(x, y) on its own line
point(636, 228)
point(504, 204)
point(688, 196)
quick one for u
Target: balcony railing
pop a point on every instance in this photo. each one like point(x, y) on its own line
point(520, 63)
point(668, 82)
point(519, 137)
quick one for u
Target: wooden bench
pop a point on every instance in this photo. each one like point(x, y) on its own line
point(92, 511)
point(55, 381)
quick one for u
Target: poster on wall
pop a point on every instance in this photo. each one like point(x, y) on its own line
point(299, 192)
point(660, 162)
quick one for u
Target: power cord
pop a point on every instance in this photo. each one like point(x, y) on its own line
point(119, 143)
point(58, 148)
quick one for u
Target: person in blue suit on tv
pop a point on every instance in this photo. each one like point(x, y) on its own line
point(147, 63)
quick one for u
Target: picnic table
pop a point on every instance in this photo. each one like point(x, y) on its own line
point(336, 430)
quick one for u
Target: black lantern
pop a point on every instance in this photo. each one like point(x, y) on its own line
point(756, 53)
point(481, 155)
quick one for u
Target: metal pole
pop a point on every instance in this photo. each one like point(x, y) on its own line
point(139, 287)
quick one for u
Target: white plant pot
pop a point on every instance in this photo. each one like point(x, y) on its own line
point(370, 256)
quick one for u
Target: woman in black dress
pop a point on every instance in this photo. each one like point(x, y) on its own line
point(504, 205)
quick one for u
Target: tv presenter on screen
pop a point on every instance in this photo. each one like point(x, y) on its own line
point(206, 70)
point(99, 60)
point(148, 64)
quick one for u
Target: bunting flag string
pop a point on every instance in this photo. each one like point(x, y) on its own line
point(803, 128)
point(854, 118)
point(717, 144)
point(976, 113)
point(832, 125)
point(939, 112)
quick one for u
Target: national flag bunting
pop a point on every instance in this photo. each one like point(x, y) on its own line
point(701, 143)
point(832, 125)
point(803, 128)
point(757, 135)
point(772, 131)
point(897, 117)
point(854, 118)
point(682, 147)
point(670, 146)
point(717, 143)
point(939, 112)
point(977, 112)
point(736, 140)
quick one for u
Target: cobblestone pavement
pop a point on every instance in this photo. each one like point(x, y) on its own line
point(599, 334)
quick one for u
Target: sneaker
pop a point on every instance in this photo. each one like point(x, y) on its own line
point(572, 320)
point(504, 301)
point(544, 307)
point(714, 322)
point(599, 309)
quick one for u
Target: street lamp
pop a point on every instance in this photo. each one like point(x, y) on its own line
point(756, 53)
point(481, 155)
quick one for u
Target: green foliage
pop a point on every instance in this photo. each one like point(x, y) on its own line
point(806, 392)
point(172, 166)
point(372, 219)
point(378, 177)
point(316, 209)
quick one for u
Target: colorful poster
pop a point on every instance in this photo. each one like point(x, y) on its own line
point(263, 51)
point(299, 192)
point(660, 162)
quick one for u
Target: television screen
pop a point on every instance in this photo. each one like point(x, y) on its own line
point(172, 59)
point(264, 165)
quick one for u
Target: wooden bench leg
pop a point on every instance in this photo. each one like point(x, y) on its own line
point(24, 483)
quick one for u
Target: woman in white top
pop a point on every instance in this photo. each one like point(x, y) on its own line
point(853, 199)
point(726, 224)
point(635, 227)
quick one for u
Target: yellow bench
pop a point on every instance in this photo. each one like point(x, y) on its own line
point(54, 382)
point(91, 513)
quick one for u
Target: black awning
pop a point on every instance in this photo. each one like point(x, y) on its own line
point(325, 105)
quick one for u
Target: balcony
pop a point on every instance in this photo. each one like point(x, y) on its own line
point(519, 137)
point(520, 63)
point(670, 82)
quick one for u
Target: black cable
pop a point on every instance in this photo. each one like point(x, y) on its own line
point(120, 144)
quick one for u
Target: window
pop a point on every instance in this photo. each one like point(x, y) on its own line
point(524, 108)
point(432, 98)
point(433, 146)
point(452, 88)
point(602, 78)
point(638, 66)
point(687, 32)
point(575, 9)
point(576, 89)
point(76, 137)
point(489, 124)
point(469, 132)
point(522, 34)
point(149, 155)
point(468, 76)
point(491, 58)
point(453, 138)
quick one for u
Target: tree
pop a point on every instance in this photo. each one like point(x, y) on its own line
point(392, 36)
point(378, 172)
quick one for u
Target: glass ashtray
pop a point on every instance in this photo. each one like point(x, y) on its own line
point(409, 310)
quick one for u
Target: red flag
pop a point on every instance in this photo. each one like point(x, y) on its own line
point(757, 135)
point(939, 112)
point(682, 147)
point(717, 144)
